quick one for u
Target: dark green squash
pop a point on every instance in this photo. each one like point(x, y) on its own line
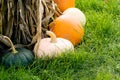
point(17, 57)
point(1, 52)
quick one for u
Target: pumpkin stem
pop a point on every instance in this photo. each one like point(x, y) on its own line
point(52, 36)
point(14, 51)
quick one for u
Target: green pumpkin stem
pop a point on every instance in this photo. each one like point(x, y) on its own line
point(52, 36)
point(14, 51)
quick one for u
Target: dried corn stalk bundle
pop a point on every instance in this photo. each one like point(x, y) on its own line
point(24, 20)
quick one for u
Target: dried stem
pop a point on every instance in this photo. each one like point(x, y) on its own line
point(52, 36)
point(14, 51)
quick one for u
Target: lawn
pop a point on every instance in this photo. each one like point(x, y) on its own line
point(96, 58)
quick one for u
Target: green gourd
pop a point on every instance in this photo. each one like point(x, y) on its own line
point(17, 56)
point(0, 55)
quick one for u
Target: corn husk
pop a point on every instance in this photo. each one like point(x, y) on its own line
point(23, 21)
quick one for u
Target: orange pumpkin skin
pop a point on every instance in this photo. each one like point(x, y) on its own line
point(64, 4)
point(66, 27)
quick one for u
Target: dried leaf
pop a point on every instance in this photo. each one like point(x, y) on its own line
point(25, 21)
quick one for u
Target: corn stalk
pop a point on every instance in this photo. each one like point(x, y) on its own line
point(23, 21)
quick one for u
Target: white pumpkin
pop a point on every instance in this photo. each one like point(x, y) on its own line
point(76, 13)
point(52, 47)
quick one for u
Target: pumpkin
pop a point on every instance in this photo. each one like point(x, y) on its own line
point(64, 4)
point(17, 57)
point(66, 27)
point(52, 47)
point(1, 51)
point(77, 14)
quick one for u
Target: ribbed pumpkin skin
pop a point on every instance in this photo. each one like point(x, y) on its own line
point(23, 57)
point(66, 27)
point(49, 49)
point(64, 4)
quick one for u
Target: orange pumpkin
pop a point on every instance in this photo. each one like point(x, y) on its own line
point(64, 4)
point(66, 27)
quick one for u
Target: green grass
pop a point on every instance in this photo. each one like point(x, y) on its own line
point(96, 58)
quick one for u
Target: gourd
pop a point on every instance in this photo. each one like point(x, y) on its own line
point(66, 27)
point(64, 4)
point(17, 57)
point(1, 50)
point(52, 47)
point(77, 14)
